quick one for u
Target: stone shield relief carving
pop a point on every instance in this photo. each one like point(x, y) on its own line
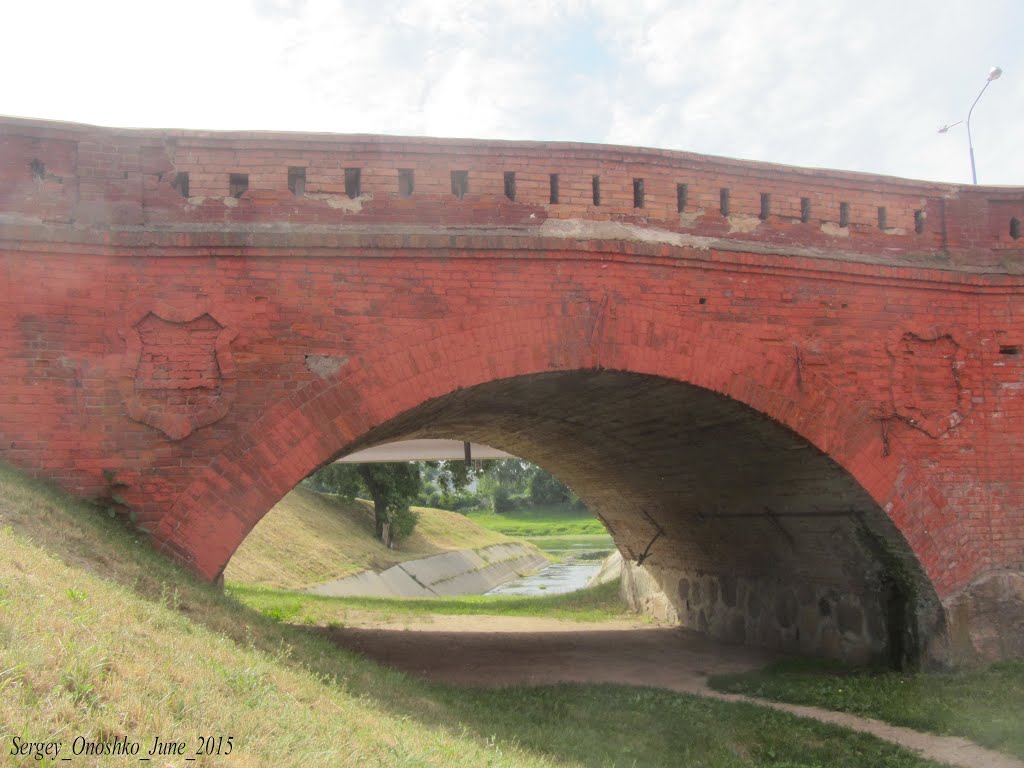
point(178, 373)
point(927, 391)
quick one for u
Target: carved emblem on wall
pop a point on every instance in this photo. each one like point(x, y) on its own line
point(179, 375)
point(927, 391)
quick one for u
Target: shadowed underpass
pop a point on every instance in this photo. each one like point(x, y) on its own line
point(752, 534)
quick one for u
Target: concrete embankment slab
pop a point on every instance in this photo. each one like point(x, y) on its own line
point(465, 572)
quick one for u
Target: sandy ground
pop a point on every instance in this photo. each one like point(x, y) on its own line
point(500, 650)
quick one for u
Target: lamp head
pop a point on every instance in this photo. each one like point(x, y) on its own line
point(994, 74)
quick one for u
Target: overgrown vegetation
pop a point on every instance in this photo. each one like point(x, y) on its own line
point(983, 705)
point(101, 637)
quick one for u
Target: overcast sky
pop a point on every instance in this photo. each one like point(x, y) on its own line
point(853, 84)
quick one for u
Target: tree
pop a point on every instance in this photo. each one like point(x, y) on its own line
point(391, 487)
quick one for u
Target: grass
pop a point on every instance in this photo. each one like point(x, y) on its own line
point(984, 705)
point(309, 538)
point(552, 520)
point(101, 637)
point(598, 603)
point(591, 546)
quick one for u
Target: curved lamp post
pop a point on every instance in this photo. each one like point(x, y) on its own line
point(993, 74)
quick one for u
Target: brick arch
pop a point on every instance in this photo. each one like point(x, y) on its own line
point(330, 416)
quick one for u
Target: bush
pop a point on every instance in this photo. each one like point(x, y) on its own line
point(546, 489)
point(403, 521)
point(502, 500)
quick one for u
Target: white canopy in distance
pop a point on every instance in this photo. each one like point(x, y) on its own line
point(423, 450)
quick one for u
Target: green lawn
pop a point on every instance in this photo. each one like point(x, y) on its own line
point(983, 705)
point(554, 520)
point(593, 604)
point(102, 637)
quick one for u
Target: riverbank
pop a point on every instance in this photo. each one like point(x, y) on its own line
point(464, 572)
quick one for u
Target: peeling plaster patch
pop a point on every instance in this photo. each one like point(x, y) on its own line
point(325, 366)
point(198, 200)
point(342, 202)
point(742, 223)
point(830, 228)
point(895, 231)
point(583, 229)
point(690, 218)
point(230, 202)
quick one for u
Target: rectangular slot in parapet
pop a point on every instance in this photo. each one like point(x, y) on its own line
point(297, 181)
point(595, 189)
point(766, 206)
point(805, 209)
point(510, 185)
point(883, 217)
point(238, 183)
point(406, 182)
point(1009, 349)
point(844, 214)
point(682, 191)
point(918, 222)
point(460, 183)
point(638, 193)
point(353, 182)
point(180, 183)
point(1015, 228)
point(553, 196)
point(723, 201)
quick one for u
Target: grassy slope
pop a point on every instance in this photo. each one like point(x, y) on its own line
point(310, 538)
point(984, 705)
point(101, 637)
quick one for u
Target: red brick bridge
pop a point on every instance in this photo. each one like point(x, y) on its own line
point(799, 393)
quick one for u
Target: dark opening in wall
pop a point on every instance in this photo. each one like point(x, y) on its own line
point(723, 201)
point(237, 184)
point(353, 182)
point(38, 169)
point(1015, 228)
point(297, 181)
point(595, 189)
point(553, 196)
point(919, 222)
point(510, 185)
point(883, 218)
point(1009, 349)
point(406, 182)
point(766, 206)
point(702, 300)
point(638, 193)
point(681, 193)
point(805, 209)
point(844, 214)
point(180, 184)
point(460, 183)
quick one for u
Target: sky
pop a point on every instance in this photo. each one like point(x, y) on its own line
point(858, 85)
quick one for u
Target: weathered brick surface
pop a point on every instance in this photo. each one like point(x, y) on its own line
point(181, 343)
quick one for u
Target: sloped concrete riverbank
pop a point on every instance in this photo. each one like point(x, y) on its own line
point(464, 572)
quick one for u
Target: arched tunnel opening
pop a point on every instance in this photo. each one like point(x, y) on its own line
point(747, 531)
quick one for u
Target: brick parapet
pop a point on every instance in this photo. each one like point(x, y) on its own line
point(99, 177)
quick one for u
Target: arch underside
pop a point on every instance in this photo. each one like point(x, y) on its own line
point(758, 536)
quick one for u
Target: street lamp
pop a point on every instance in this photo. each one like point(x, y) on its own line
point(993, 74)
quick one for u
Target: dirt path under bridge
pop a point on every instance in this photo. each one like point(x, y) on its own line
point(498, 651)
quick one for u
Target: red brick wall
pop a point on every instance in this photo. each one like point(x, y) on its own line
point(891, 351)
